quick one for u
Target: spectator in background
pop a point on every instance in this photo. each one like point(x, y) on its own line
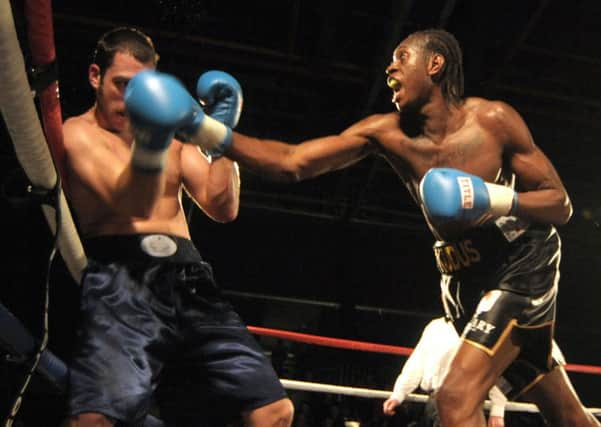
point(427, 366)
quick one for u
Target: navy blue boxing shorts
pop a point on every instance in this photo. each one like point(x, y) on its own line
point(148, 302)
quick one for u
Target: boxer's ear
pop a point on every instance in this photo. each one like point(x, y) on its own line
point(94, 76)
point(436, 66)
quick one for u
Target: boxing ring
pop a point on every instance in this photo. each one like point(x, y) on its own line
point(39, 149)
point(353, 345)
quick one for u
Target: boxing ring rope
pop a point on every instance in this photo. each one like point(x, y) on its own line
point(381, 348)
point(23, 124)
point(331, 342)
point(383, 394)
point(374, 347)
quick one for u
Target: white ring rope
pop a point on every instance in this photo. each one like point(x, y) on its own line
point(382, 394)
point(23, 124)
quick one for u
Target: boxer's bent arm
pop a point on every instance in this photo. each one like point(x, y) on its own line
point(215, 186)
point(542, 195)
point(224, 190)
point(548, 200)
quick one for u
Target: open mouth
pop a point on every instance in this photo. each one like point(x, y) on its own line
point(396, 86)
point(393, 83)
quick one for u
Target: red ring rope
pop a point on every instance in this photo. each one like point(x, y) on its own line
point(373, 347)
point(331, 342)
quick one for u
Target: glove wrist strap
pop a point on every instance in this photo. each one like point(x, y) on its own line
point(146, 160)
point(212, 136)
point(503, 200)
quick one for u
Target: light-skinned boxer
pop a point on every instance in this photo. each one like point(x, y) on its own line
point(148, 298)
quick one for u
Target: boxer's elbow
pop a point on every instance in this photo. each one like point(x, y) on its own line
point(289, 163)
point(230, 211)
point(295, 173)
point(222, 214)
point(566, 211)
point(560, 212)
point(301, 165)
point(225, 215)
point(299, 172)
point(291, 168)
point(223, 207)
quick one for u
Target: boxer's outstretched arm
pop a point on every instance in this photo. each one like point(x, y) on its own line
point(542, 195)
point(295, 162)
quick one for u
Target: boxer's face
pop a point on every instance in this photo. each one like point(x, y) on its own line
point(110, 87)
point(407, 75)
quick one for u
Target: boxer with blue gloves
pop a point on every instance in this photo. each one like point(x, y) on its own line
point(148, 297)
point(492, 200)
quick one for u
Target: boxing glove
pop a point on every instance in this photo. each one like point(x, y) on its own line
point(451, 196)
point(157, 105)
point(221, 96)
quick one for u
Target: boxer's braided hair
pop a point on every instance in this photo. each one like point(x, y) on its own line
point(451, 76)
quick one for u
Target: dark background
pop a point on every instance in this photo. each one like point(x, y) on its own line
point(347, 254)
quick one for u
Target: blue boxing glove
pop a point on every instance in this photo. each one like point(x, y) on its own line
point(157, 105)
point(221, 96)
point(456, 199)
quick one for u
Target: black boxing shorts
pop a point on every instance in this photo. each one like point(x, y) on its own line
point(514, 268)
point(531, 320)
point(150, 301)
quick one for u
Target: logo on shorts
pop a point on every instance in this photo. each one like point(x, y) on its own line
point(158, 245)
point(452, 257)
point(481, 325)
